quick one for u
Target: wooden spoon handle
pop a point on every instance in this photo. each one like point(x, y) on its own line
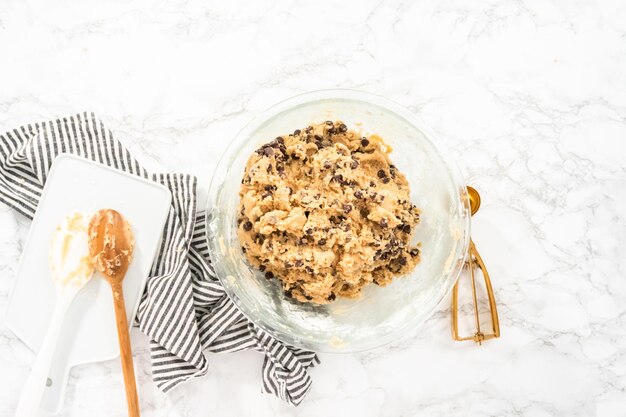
point(126, 354)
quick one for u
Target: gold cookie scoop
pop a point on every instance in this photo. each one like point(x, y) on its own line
point(475, 261)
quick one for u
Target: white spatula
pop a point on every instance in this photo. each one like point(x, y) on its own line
point(71, 269)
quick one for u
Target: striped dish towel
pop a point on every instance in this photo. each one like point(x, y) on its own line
point(184, 309)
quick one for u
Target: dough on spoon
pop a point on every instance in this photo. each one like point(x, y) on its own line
point(70, 262)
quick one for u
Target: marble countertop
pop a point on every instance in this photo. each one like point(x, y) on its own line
point(527, 96)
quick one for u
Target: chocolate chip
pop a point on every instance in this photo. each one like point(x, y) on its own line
point(262, 268)
point(309, 231)
point(414, 252)
point(299, 263)
point(247, 226)
point(343, 128)
point(294, 156)
point(319, 145)
point(268, 187)
point(296, 132)
point(288, 293)
point(280, 140)
point(406, 228)
point(354, 165)
point(364, 142)
point(306, 213)
point(243, 249)
point(402, 260)
point(327, 165)
point(345, 287)
point(308, 297)
point(364, 212)
point(381, 173)
point(308, 269)
point(358, 194)
point(329, 123)
point(318, 138)
point(372, 184)
point(331, 296)
point(322, 242)
point(337, 178)
point(269, 275)
point(383, 223)
point(268, 151)
point(385, 180)
point(280, 168)
point(269, 168)
point(347, 208)
point(288, 265)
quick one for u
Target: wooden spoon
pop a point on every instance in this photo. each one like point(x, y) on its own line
point(111, 247)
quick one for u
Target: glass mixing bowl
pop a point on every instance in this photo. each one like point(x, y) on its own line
point(381, 314)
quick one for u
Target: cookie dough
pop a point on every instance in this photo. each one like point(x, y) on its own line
point(325, 211)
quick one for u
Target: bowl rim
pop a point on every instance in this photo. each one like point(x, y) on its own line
point(263, 117)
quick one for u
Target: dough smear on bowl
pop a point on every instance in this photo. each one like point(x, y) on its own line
point(325, 211)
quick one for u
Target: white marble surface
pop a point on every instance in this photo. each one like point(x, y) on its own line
point(530, 98)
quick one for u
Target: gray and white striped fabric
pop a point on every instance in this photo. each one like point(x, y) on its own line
point(184, 309)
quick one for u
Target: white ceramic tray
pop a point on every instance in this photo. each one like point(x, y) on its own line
point(88, 333)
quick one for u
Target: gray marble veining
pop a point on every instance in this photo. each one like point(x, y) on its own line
point(527, 96)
